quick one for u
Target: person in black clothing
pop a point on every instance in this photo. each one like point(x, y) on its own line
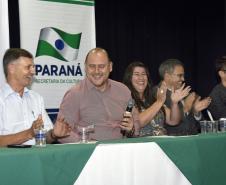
point(218, 93)
point(171, 72)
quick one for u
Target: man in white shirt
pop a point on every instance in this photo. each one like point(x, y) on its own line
point(22, 110)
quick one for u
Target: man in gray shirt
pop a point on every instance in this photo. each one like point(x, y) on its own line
point(100, 101)
point(171, 72)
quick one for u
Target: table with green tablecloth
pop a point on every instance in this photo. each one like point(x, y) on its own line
point(150, 160)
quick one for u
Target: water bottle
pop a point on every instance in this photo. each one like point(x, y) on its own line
point(40, 137)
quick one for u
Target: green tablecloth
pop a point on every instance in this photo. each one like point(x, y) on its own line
point(202, 159)
point(53, 165)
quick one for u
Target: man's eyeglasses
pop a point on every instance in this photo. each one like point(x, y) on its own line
point(178, 75)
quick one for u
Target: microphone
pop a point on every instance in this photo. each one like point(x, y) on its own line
point(129, 108)
point(130, 105)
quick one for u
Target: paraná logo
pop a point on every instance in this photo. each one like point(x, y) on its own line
point(58, 44)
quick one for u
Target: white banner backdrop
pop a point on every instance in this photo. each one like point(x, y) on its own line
point(4, 35)
point(59, 35)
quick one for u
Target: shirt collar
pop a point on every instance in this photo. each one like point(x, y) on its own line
point(7, 90)
point(91, 86)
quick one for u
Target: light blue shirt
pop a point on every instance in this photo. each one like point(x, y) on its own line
point(18, 113)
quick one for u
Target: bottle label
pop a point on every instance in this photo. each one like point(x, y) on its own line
point(40, 138)
point(40, 135)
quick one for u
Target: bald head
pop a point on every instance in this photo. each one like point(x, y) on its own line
point(98, 67)
point(97, 51)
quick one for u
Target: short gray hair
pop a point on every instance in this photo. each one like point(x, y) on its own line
point(13, 54)
point(168, 66)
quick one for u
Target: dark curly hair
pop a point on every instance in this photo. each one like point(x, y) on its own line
point(127, 80)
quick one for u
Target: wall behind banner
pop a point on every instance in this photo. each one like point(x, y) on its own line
point(193, 31)
point(153, 31)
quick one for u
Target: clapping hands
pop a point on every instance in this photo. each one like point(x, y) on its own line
point(200, 105)
point(179, 94)
point(189, 101)
point(161, 93)
point(194, 103)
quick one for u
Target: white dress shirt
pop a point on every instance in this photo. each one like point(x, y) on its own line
point(18, 113)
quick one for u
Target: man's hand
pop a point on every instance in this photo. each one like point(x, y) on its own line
point(37, 124)
point(200, 105)
point(189, 101)
point(127, 122)
point(178, 94)
point(61, 128)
